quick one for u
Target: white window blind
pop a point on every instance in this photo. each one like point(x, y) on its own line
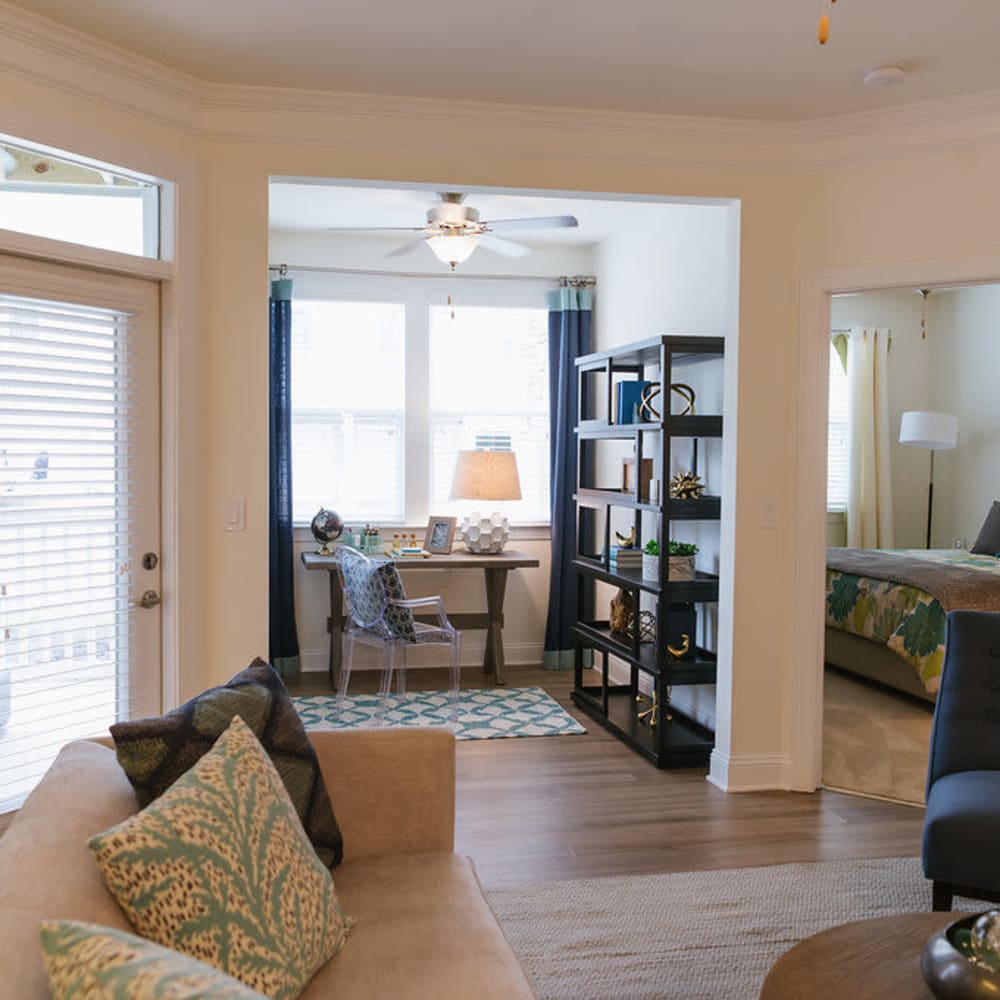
point(64, 512)
point(489, 388)
point(347, 409)
point(836, 460)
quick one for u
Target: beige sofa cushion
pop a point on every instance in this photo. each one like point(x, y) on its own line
point(48, 870)
point(424, 932)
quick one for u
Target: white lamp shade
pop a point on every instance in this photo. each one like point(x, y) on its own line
point(486, 475)
point(453, 249)
point(924, 429)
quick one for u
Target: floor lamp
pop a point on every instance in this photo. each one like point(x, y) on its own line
point(934, 431)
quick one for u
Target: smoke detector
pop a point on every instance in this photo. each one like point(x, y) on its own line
point(883, 76)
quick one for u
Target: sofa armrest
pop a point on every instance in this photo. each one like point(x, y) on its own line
point(393, 790)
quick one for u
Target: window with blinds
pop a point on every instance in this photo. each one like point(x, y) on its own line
point(348, 399)
point(64, 515)
point(505, 407)
point(386, 391)
point(836, 446)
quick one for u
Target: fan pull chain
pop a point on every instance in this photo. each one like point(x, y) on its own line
point(923, 313)
point(823, 31)
point(452, 306)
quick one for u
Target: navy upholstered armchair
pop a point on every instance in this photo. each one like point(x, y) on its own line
point(961, 850)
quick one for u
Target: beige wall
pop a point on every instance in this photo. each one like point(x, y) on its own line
point(913, 205)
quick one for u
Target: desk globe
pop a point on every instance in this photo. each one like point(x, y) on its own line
point(327, 526)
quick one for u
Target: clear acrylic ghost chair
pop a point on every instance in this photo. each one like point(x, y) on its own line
point(380, 615)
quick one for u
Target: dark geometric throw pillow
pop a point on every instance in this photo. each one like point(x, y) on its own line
point(155, 752)
point(988, 541)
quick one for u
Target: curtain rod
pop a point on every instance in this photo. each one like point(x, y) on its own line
point(574, 281)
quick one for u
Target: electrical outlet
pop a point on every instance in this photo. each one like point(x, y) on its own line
point(769, 512)
point(959, 543)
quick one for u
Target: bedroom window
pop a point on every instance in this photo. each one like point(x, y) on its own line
point(836, 454)
point(387, 387)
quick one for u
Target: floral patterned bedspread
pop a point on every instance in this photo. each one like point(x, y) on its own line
point(908, 620)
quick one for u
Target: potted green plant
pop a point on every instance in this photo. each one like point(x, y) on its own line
point(682, 560)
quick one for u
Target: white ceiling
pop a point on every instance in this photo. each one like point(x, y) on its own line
point(730, 58)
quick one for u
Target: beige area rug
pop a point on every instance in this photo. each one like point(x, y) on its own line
point(696, 935)
point(873, 742)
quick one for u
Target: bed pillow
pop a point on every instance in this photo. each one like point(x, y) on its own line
point(102, 963)
point(988, 540)
point(155, 752)
point(219, 868)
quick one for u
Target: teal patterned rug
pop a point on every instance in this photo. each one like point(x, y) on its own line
point(484, 714)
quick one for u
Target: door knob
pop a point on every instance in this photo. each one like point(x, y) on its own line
point(149, 599)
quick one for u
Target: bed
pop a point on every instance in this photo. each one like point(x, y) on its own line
point(885, 610)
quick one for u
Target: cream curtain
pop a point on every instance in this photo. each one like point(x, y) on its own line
point(869, 477)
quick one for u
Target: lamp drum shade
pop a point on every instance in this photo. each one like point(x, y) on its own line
point(926, 429)
point(486, 475)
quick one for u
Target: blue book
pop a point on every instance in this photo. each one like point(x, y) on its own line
point(629, 396)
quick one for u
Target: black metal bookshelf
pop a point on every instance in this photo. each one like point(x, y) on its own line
point(641, 714)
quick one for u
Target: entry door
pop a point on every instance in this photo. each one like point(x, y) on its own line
point(79, 511)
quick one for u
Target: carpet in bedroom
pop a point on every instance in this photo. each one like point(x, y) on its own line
point(709, 935)
point(874, 743)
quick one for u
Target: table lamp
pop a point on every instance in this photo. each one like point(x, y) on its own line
point(485, 475)
point(934, 431)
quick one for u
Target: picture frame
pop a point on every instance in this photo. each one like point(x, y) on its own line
point(440, 535)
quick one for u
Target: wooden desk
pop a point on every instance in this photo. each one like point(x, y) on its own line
point(495, 569)
point(866, 960)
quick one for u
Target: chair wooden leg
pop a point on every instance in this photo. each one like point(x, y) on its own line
point(941, 896)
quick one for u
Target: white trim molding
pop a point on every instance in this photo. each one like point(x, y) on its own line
point(748, 772)
point(806, 710)
point(42, 50)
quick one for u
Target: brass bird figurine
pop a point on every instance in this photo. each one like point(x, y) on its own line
point(626, 541)
point(682, 649)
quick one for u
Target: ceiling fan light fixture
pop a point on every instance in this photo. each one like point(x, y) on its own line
point(453, 248)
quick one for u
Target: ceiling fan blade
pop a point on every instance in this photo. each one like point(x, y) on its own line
point(503, 247)
point(406, 247)
point(374, 229)
point(541, 222)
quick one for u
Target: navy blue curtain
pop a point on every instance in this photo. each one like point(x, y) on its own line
point(282, 636)
point(570, 317)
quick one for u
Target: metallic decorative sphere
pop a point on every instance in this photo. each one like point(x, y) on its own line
point(327, 526)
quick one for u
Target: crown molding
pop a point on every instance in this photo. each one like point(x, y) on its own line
point(46, 52)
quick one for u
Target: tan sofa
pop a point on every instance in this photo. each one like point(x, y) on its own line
point(425, 930)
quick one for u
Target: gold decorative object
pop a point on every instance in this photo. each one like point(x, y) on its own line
point(687, 486)
point(647, 411)
point(679, 652)
point(622, 613)
point(650, 713)
point(621, 618)
point(626, 541)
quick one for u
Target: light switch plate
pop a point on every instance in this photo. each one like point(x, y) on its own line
point(235, 515)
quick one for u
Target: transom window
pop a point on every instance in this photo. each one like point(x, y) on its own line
point(390, 381)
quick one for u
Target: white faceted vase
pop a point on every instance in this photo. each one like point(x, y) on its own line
point(484, 534)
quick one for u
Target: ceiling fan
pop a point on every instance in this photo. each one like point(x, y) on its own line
point(454, 230)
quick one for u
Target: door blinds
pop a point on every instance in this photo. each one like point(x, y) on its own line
point(64, 531)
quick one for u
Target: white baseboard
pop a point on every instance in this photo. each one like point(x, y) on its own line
point(749, 773)
point(315, 661)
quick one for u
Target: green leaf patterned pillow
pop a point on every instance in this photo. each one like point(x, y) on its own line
point(219, 867)
point(102, 963)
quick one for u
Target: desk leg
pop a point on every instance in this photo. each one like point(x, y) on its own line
point(493, 660)
point(335, 626)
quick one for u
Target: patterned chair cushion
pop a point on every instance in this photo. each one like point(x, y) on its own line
point(219, 867)
point(102, 963)
point(371, 586)
point(155, 752)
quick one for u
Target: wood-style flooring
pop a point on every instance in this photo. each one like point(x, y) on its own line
point(570, 807)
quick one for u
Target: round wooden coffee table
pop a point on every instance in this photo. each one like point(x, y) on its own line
point(866, 960)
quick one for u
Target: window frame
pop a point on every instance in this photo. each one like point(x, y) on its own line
point(417, 294)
